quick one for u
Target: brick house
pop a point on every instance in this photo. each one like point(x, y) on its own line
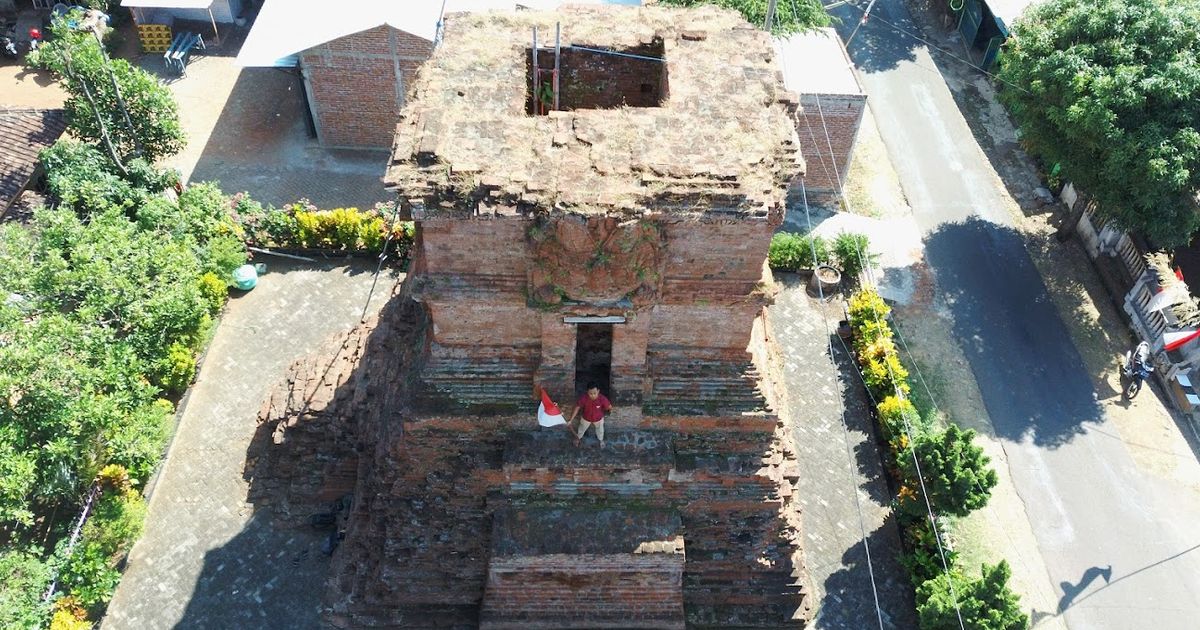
point(816, 66)
point(357, 59)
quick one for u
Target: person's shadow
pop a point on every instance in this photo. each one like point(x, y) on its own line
point(1071, 591)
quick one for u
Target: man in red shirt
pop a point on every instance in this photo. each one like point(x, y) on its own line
point(594, 405)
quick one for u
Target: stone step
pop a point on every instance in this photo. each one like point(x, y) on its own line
point(624, 450)
point(583, 567)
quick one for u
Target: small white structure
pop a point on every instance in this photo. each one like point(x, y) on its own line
point(816, 66)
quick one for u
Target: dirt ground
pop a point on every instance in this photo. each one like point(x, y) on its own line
point(872, 187)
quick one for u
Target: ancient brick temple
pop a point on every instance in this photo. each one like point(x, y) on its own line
point(618, 237)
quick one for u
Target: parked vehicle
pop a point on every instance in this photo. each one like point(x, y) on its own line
point(1136, 370)
point(8, 41)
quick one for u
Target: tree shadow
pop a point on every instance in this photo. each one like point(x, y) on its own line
point(877, 46)
point(853, 592)
point(1032, 379)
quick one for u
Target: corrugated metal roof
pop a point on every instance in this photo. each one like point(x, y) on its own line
point(815, 62)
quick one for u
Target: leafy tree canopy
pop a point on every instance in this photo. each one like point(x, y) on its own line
point(1107, 89)
point(791, 16)
point(985, 604)
point(957, 473)
point(152, 129)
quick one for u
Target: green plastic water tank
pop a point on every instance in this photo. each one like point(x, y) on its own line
point(245, 277)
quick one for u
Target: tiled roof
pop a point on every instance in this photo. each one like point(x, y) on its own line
point(23, 134)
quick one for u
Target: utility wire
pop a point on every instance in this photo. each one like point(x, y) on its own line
point(862, 529)
point(382, 257)
point(899, 394)
point(932, 46)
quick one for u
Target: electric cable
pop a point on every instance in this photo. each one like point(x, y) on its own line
point(899, 394)
point(845, 427)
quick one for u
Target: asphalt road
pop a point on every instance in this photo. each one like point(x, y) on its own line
point(1119, 541)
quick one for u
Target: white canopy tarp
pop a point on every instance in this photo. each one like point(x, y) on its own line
point(815, 62)
point(287, 27)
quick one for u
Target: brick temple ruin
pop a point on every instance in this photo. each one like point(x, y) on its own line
point(618, 238)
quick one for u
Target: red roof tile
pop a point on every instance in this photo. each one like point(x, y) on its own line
point(23, 134)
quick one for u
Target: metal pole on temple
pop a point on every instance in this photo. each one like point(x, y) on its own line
point(770, 15)
point(536, 74)
point(557, 53)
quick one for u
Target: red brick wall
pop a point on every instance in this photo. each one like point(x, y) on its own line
point(358, 82)
point(592, 80)
point(842, 116)
point(488, 342)
point(584, 591)
point(708, 261)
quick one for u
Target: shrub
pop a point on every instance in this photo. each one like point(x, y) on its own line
point(175, 371)
point(404, 238)
point(214, 290)
point(115, 478)
point(24, 577)
point(66, 619)
point(884, 376)
point(895, 415)
point(957, 474)
point(138, 441)
point(792, 252)
point(852, 253)
point(923, 558)
point(221, 256)
point(79, 176)
point(866, 305)
point(985, 604)
point(90, 573)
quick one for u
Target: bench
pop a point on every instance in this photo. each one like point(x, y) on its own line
point(176, 57)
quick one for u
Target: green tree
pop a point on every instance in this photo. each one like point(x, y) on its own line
point(791, 16)
point(957, 475)
point(1107, 89)
point(24, 576)
point(985, 604)
point(122, 107)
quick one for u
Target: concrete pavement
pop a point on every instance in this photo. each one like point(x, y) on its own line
point(207, 559)
point(846, 506)
point(1115, 535)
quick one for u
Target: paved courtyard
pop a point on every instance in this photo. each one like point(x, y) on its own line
point(207, 559)
point(841, 473)
point(247, 129)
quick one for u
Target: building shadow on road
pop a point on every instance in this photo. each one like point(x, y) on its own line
point(1033, 381)
point(861, 593)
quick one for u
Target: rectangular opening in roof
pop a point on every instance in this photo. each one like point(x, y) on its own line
point(592, 77)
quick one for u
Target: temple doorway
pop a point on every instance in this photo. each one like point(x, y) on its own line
point(593, 357)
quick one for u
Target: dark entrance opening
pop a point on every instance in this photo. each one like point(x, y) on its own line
point(593, 357)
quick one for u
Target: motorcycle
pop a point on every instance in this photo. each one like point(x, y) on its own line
point(1136, 369)
point(8, 42)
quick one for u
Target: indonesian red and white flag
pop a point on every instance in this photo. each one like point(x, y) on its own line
point(1176, 339)
point(548, 412)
